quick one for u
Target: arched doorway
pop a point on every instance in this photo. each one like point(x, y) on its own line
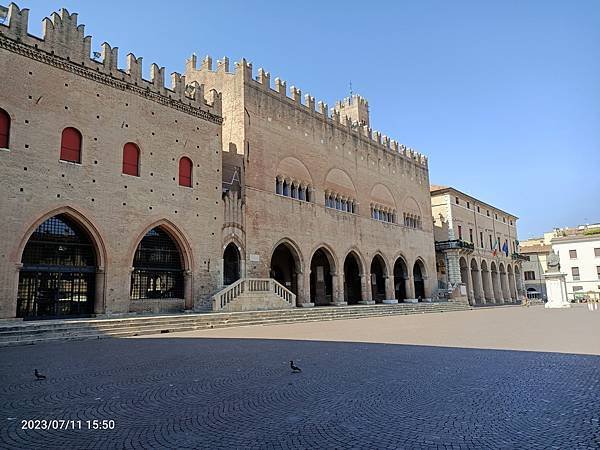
point(157, 267)
point(419, 280)
point(285, 266)
point(321, 281)
point(400, 277)
point(378, 279)
point(352, 284)
point(231, 264)
point(58, 276)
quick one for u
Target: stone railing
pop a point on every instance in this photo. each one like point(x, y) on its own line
point(519, 257)
point(253, 285)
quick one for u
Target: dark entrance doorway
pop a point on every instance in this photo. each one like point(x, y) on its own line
point(59, 272)
point(284, 268)
point(378, 279)
point(231, 264)
point(321, 282)
point(352, 287)
point(419, 281)
point(400, 276)
point(157, 267)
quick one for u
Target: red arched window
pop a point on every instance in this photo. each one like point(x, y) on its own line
point(131, 159)
point(185, 172)
point(4, 128)
point(70, 145)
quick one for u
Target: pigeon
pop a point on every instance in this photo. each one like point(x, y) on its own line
point(38, 375)
point(295, 369)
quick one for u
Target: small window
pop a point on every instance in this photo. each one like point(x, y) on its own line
point(478, 209)
point(597, 252)
point(457, 200)
point(4, 128)
point(496, 215)
point(573, 254)
point(131, 159)
point(70, 145)
point(529, 275)
point(577, 288)
point(470, 234)
point(488, 213)
point(481, 239)
point(504, 219)
point(468, 205)
point(575, 273)
point(185, 172)
point(459, 232)
point(598, 271)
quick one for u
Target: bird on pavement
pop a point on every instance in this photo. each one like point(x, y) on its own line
point(295, 369)
point(38, 375)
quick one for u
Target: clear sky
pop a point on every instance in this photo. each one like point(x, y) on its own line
point(504, 96)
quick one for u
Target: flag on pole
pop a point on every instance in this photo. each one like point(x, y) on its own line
point(496, 247)
point(505, 248)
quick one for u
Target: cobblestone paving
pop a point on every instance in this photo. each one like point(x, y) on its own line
point(240, 393)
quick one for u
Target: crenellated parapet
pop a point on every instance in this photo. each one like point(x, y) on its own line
point(64, 45)
point(349, 114)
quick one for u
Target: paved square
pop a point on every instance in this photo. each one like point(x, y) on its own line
point(233, 388)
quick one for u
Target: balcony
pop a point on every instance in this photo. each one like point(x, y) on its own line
point(455, 244)
point(519, 257)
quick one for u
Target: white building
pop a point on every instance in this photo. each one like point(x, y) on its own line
point(580, 261)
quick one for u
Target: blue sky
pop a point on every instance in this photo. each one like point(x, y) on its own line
point(504, 97)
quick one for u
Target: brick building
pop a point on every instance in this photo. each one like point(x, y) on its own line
point(125, 195)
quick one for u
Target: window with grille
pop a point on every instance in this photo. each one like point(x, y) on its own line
point(70, 145)
point(157, 267)
point(575, 273)
point(573, 254)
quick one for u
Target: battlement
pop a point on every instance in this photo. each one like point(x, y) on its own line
point(65, 45)
point(342, 115)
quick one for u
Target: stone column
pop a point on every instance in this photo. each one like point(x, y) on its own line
point(491, 298)
point(303, 284)
point(470, 289)
point(504, 286)
point(497, 290)
point(453, 267)
point(514, 287)
point(337, 284)
point(187, 290)
point(479, 292)
point(365, 289)
point(410, 287)
point(99, 302)
point(390, 294)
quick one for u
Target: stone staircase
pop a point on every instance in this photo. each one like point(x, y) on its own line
point(253, 294)
point(32, 332)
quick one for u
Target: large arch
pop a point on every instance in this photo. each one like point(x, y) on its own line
point(96, 240)
point(322, 270)
point(419, 276)
point(504, 283)
point(378, 278)
point(294, 168)
point(166, 279)
point(286, 264)
point(58, 273)
point(353, 277)
point(401, 279)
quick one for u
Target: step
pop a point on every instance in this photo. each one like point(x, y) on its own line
point(43, 331)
